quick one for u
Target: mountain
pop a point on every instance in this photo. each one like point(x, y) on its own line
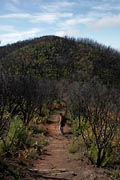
point(62, 58)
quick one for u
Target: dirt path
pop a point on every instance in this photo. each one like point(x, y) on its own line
point(57, 163)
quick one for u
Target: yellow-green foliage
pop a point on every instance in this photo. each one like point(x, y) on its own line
point(74, 147)
point(45, 111)
point(93, 155)
point(75, 128)
point(116, 140)
point(23, 140)
point(77, 146)
point(15, 138)
point(93, 150)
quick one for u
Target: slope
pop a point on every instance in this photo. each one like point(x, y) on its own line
point(63, 58)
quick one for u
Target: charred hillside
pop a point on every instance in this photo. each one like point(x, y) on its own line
point(62, 58)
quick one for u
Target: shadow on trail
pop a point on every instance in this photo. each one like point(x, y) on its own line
point(50, 122)
point(37, 175)
point(68, 133)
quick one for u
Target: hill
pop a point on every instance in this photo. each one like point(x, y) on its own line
point(62, 58)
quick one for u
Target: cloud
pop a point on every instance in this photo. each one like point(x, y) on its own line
point(57, 6)
point(107, 7)
point(75, 21)
point(7, 28)
point(70, 32)
point(9, 38)
point(38, 17)
point(106, 21)
point(49, 17)
point(15, 16)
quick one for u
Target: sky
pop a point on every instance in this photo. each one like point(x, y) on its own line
point(98, 20)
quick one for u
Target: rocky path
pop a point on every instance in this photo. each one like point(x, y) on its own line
point(57, 163)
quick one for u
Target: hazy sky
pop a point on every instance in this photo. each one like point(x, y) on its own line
point(95, 19)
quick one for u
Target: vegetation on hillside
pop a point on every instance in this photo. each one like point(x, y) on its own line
point(62, 58)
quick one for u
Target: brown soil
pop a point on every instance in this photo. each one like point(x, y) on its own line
point(58, 164)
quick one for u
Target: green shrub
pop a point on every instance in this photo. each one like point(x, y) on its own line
point(107, 158)
point(15, 138)
point(37, 129)
point(45, 111)
point(73, 148)
point(92, 153)
point(75, 128)
point(75, 145)
point(43, 140)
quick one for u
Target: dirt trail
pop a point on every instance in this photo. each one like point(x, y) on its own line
point(57, 163)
